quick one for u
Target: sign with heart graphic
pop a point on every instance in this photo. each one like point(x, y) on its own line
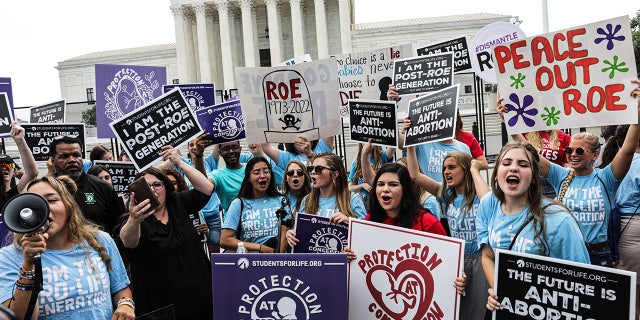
point(398, 270)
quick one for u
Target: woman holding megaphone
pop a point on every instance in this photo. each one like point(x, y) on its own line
point(82, 273)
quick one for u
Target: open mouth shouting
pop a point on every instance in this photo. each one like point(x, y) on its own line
point(512, 181)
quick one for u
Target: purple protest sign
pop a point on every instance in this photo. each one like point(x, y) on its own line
point(198, 95)
point(5, 239)
point(279, 286)
point(6, 115)
point(121, 89)
point(223, 121)
point(316, 234)
point(5, 86)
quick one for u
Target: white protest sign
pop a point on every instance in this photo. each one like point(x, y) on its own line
point(481, 47)
point(280, 104)
point(397, 271)
point(571, 78)
point(299, 59)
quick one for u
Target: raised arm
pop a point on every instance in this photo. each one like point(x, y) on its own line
point(413, 167)
point(622, 161)
point(271, 151)
point(478, 181)
point(365, 162)
point(197, 179)
point(28, 161)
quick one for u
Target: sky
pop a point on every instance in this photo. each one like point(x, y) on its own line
point(35, 35)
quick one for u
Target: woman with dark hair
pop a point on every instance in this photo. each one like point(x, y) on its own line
point(101, 172)
point(100, 152)
point(251, 217)
point(176, 179)
point(297, 185)
point(168, 264)
point(84, 260)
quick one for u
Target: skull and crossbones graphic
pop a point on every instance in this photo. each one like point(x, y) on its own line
point(290, 122)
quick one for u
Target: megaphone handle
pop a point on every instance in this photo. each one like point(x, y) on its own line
point(37, 261)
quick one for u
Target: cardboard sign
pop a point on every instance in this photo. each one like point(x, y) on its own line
point(121, 89)
point(279, 286)
point(433, 117)
point(5, 86)
point(375, 120)
point(367, 75)
point(223, 122)
point(537, 287)
point(300, 59)
point(167, 120)
point(482, 45)
point(122, 173)
point(397, 271)
point(458, 46)
point(423, 74)
point(49, 113)
point(280, 104)
point(316, 234)
point(198, 95)
point(578, 77)
point(40, 135)
point(6, 115)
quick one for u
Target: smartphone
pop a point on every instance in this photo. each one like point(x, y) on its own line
point(143, 191)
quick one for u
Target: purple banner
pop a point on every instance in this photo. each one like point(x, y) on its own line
point(198, 95)
point(121, 89)
point(279, 286)
point(6, 115)
point(318, 235)
point(223, 121)
point(5, 86)
point(4, 234)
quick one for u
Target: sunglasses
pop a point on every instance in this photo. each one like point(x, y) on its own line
point(8, 166)
point(317, 169)
point(579, 151)
point(298, 173)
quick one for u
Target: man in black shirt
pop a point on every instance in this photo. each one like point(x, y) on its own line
point(97, 199)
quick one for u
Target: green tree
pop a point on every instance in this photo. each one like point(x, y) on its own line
point(89, 116)
point(635, 34)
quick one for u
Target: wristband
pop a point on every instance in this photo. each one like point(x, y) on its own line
point(126, 301)
point(25, 286)
point(29, 275)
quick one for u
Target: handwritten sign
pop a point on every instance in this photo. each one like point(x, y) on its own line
point(39, 136)
point(571, 78)
point(49, 113)
point(122, 173)
point(375, 120)
point(167, 120)
point(537, 287)
point(482, 45)
point(223, 122)
point(316, 234)
point(397, 271)
point(198, 95)
point(458, 46)
point(281, 103)
point(433, 117)
point(6, 115)
point(423, 74)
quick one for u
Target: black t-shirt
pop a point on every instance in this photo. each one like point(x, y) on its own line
point(98, 201)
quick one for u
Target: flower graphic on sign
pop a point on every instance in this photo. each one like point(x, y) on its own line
point(609, 35)
point(518, 81)
point(615, 66)
point(550, 116)
point(521, 110)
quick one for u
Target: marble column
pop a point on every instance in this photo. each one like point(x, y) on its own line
point(247, 33)
point(296, 28)
point(345, 25)
point(274, 31)
point(225, 41)
point(181, 50)
point(189, 20)
point(203, 45)
point(321, 29)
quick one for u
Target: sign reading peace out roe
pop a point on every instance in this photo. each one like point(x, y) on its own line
point(167, 120)
point(49, 113)
point(223, 122)
point(397, 271)
point(433, 117)
point(423, 74)
point(459, 48)
point(39, 136)
point(279, 286)
point(281, 103)
point(317, 234)
point(537, 287)
point(122, 173)
point(375, 120)
point(578, 77)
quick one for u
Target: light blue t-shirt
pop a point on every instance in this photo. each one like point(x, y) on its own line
point(431, 155)
point(227, 184)
point(497, 229)
point(284, 157)
point(328, 206)
point(431, 204)
point(462, 224)
point(259, 219)
point(364, 193)
point(75, 286)
point(628, 196)
point(588, 199)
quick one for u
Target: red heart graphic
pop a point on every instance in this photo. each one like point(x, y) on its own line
point(406, 289)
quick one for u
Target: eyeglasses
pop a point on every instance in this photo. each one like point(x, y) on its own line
point(157, 185)
point(264, 171)
point(8, 166)
point(298, 172)
point(317, 169)
point(579, 151)
point(230, 148)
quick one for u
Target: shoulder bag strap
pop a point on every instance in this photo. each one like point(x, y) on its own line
point(513, 241)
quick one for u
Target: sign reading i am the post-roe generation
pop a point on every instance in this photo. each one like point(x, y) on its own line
point(375, 120)
point(39, 136)
point(122, 173)
point(279, 286)
point(423, 74)
point(167, 120)
point(433, 117)
point(537, 287)
point(317, 234)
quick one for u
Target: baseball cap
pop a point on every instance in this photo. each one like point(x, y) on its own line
point(6, 159)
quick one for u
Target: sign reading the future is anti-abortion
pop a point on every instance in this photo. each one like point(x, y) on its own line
point(223, 122)
point(198, 95)
point(280, 104)
point(397, 271)
point(375, 120)
point(423, 74)
point(277, 286)
point(167, 120)
point(317, 234)
point(578, 77)
point(49, 113)
point(39, 136)
point(458, 46)
point(433, 117)
point(537, 287)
